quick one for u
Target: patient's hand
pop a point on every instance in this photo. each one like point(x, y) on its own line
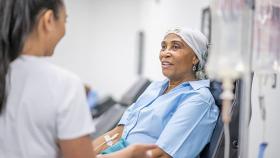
point(159, 153)
point(141, 151)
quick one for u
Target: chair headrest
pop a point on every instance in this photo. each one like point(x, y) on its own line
point(216, 90)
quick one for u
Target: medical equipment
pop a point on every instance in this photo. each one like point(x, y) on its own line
point(108, 140)
point(215, 148)
point(229, 57)
point(266, 53)
point(263, 144)
point(266, 37)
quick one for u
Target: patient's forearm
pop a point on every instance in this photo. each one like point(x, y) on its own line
point(132, 151)
point(100, 140)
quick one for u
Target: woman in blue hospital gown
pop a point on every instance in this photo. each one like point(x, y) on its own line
point(179, 113)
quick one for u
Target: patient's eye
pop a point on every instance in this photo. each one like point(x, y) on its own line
point(176, 46)
point(163, 46)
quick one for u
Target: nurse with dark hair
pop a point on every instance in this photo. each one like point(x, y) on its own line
point(43, 112)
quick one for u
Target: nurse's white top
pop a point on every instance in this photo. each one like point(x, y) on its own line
point(45, 103)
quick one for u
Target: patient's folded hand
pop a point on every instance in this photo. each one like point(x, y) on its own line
point(141, 150)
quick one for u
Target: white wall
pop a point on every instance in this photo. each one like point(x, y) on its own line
point(100, 44)
point(157, 16)
point(101, 41)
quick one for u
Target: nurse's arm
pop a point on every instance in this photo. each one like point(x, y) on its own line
point(159, 153)
point(78, 147)
point(100, 140)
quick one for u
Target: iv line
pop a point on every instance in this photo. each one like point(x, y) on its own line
point(108, 140)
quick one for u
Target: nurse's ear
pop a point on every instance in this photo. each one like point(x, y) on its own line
point(46, 22)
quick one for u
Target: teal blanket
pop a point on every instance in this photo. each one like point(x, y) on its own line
point(121, 144)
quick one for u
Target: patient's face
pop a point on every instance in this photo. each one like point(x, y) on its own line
point(177, 58)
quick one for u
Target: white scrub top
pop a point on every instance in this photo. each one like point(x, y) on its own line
point(44, 104)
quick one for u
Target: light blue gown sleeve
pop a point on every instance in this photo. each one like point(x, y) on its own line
point(189, 129)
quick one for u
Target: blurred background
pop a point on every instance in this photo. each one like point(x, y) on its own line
point(102, 39)
point(110, 44)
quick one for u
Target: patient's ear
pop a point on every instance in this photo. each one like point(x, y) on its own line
point(195, 60)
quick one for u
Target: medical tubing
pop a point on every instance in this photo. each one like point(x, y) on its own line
point(107, 139)
point(262, 82)
point(227, 97)
point(226, 119)
point(227, 140)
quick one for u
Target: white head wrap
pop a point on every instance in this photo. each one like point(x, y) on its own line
point(199, 44)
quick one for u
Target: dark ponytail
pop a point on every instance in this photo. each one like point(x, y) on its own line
point(17, 20)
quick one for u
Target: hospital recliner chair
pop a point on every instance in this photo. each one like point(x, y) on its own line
point(110, 118)
point(133, 93)
point(215, 149)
